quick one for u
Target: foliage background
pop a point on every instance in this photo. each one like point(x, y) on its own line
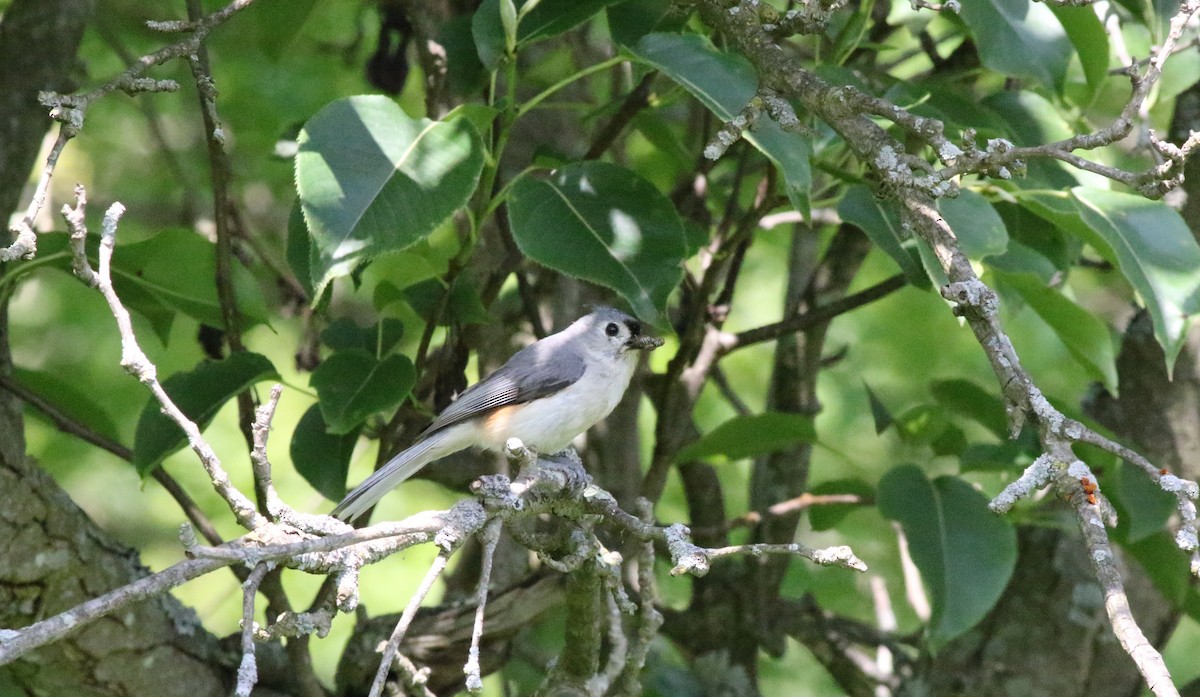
point(280, 62)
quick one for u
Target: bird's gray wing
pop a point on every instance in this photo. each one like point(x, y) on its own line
point(536, 371)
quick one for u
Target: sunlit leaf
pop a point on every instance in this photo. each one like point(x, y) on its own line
point(965, 553)
point(373, 180)
point(604, 224)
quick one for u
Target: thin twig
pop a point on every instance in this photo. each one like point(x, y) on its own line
point(247, 672)
point(410, 611)
point(491, 537)
point(137, 364)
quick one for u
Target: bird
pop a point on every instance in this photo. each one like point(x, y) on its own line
point(546, 394)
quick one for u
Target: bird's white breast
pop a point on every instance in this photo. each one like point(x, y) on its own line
point(550, 424)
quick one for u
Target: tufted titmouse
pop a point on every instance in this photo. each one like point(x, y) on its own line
point(546, 394)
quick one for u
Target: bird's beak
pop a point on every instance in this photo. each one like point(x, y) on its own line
point(644, 342)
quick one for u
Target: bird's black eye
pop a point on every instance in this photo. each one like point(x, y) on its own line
point(612, 329)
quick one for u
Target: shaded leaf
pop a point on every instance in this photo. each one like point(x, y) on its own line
point(1156, 252)
point(72, 401)
point(879, 411)
point(199, 393)
point(1143, 507)
point(965, 553)
point(725, 83)
point(352, 385)
point(604, 224)
point(881, 223)
point(462, 307)
point(827, 516)
point(1020, 38)
point(965, 398)
point(299, 248)
point(980, 230)
point(344, 333)
point(749, 436)
point(547, 19)
point(1088, 339)
point(322, 458)
point(373, 180)
point(1090, 40)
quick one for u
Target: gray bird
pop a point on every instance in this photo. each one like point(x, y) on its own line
point(545, 395)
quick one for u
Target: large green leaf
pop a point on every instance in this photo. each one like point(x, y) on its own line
point(373, 180)
point(69, 397)
point(1090, 39)
point(979, 228)
point(352, 385)
point(171, 272)
point(881, 223)
point(548, 18)
point(178, 268)
point(965, 553)
point(827, 516)
point(1021, 38)
point(1155, 250)
point(725, 83)
point(749, 436)
point(1088, 339)
point(199, 393)
point(966, 399)
point(322, 458)
point(604, 224)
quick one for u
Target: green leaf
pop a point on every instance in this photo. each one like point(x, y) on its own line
point(373, 180)
point(965, 553)
point(630, 20)
point(1019, 38)
point(1156, 252)
point(68, 398)
point(344, 333)
point(978, 226)
point(276, 23)
point(1088, 339)
point(881, 223)
point(199, 393)
point(750, 436)
point(1143, 507)
point(1090, 39)
point(725, 83)
point(177, 268)
point(352, 385)
point(604, 224)
point(827, 516)
point(299, 248)
point(549, 18)
point(879, 411)
point(464, 305)
point(965, 398)
point(322, 458)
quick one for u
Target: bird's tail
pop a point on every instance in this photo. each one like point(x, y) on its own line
point(401, 467)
